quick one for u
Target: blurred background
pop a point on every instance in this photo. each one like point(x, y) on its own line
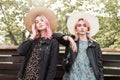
point(12, 12)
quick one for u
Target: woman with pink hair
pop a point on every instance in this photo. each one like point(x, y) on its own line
point(41, 50)
point(87, 61)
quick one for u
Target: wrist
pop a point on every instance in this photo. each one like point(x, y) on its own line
point(31, 37)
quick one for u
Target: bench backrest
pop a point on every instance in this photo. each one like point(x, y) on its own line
point(10, 63)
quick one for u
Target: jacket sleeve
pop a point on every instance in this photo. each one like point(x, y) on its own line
point(53, 60)
point(100, 65)
point(24, 47)
point(60, 39)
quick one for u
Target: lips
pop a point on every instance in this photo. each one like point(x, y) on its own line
point(40, 25)
point(82, 31)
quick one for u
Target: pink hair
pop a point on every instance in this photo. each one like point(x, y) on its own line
point(48, 28)
point(86, 23)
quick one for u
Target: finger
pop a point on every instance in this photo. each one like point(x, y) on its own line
point(75, 48)
point(33, 27)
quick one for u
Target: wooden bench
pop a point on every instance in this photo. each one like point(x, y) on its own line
point(10, 63)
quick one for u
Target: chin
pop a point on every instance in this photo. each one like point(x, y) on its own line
point(82, 33)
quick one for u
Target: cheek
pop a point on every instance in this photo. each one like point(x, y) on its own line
point(37, 25)
point(78, 28)
point(44, 27)
point(86, 29)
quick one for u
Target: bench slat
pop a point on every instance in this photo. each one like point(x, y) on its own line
point(111, 78)
point(112, 72)
point(111, 57)
point(14, 59)
point(8, 52)
point(9, 72)
point(10, 66)
point(111, 63)
point(8, 77)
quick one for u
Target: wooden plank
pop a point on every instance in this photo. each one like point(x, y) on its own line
point(8, 47)
point(110, 49)
point(59, 71)
point(59, 74)
point(112, 72)
point(9, 71)
point(8, 52)
point(8, 77)
point(111, 63)
point(59, 68)
point(10, 66)
point(111, 78)
point(14, 59)
point(60, 58)
point(111, 57)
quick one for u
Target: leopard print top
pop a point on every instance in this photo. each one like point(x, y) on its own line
point(32, 68)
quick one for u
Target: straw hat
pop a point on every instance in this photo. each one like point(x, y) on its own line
point(93, 21)
point(30, 17)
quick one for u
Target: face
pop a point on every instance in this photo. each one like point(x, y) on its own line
point(39, 23)
point(81, 28)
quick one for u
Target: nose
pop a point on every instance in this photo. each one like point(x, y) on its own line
point(40, 22)
point(82, 26)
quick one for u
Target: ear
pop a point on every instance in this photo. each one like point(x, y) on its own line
point(75, 30)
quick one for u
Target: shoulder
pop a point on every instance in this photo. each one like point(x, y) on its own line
point(54, 41)
point(96, 43)
point(57, 34)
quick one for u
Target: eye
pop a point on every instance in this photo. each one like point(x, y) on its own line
point(79, 25)
point(41, 20)
point(84, 25)
point(36, 21)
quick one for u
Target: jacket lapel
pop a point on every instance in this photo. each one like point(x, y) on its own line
point(91, 55)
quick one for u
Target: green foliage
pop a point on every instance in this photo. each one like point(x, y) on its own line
point(12, 21)
point(109, 26)
point(12, 13)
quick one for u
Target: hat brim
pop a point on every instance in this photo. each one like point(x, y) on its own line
point(29, 18)
point(93, 21)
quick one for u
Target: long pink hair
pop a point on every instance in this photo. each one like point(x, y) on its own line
point(48, 28)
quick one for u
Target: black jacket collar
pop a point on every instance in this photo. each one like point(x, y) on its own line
point(90, 43)
point(46, 41)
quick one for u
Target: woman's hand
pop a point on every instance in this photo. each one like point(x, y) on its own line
point(35, 34)
point(72, 43)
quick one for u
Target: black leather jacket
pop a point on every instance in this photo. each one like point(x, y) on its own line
point(95, 57)
point(48, 53)
point(93, 52)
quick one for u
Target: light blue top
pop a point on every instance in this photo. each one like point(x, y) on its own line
point(81, 69)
